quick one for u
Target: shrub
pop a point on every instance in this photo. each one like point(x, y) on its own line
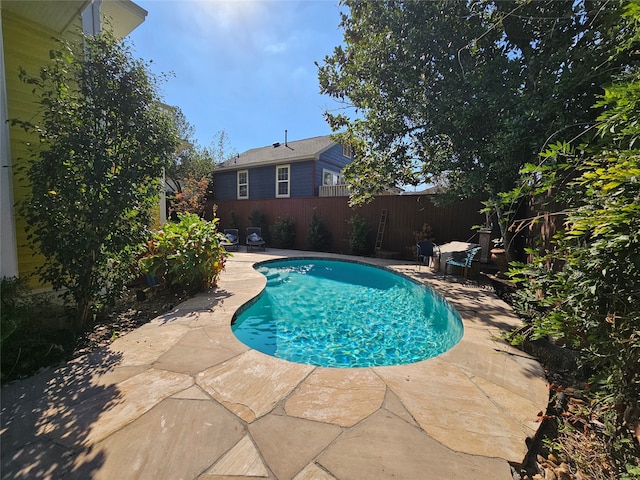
point(425, 233)
point(359, 236)
point(98, 151)
point(25, 346)
point(187, 255)
point(235, 221)
point(257, 218)
point(318, 236)
point(283, 232)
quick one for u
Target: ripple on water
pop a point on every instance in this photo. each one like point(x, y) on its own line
point(334, 313)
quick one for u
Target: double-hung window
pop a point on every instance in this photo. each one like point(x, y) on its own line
point(243, 184)
point(282, 181)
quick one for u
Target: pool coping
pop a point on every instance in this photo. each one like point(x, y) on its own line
point(181, 397)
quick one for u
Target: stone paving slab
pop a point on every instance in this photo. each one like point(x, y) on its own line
point(395, 449)
point(181, 397)
point(243, 460)
point(251, 384)
point(453, 410)
point(288, 444)
point(176, 439)
point(339, 396)
point(136, 396)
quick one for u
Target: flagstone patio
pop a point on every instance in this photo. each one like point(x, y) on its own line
point(181, 397)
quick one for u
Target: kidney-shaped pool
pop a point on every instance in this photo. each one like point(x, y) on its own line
point(334, 313)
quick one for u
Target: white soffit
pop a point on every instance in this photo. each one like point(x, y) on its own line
point(58, 15)
point(123, 15)
point(55, 15)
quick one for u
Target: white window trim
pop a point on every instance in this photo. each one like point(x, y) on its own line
point(347, 151)
point(288, 195)
point(238, 184)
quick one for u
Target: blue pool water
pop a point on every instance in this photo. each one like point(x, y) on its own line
point(332, 313)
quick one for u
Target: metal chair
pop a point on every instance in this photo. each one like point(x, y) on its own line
point(232, 239)
point(427, 251)
point(254, 238)
point(464, 260)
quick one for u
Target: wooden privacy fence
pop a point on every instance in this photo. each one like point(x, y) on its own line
point(406, 215)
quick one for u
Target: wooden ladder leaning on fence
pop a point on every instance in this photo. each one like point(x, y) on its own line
point(381, 225)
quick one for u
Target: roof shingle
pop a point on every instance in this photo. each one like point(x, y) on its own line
point(296, 150)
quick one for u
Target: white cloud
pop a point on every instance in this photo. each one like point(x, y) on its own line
point(228, 14)
point(276, 47)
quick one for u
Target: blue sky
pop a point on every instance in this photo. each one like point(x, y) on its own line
point(243, 66)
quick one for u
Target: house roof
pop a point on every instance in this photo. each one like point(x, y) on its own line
point(297, 150)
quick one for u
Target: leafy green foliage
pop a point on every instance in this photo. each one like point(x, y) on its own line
point(235, 221)
point(191, 198)
point(318, 235)
point(283, 232)
point(25, 345)
point(191, 160)
point(584, 288)
point(13, 298)
point(359, 238)
point(463, 94)
point(257, 218)
point(95, 172)
point(187, 255)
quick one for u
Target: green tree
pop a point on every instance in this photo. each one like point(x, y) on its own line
point(192, 167)
point(95, 175)
point(192, 159)
point(585, 287)
point(463, 94)
point(359, 237)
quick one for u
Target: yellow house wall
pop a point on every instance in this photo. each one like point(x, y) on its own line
point(26, 45)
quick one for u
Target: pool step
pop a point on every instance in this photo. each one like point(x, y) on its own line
point(277, 278)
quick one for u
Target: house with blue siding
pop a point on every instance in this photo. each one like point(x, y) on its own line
point(302, 168)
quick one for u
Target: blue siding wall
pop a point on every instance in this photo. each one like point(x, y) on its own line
point(301, 184)
point(225, 186)
point(262, 182)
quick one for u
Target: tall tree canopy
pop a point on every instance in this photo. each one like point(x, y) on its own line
point(95, 172)
point(189, 175)
point(583, 285)
point(465, 93)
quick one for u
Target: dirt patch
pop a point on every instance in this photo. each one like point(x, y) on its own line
point(132, 311)
point(34, 348)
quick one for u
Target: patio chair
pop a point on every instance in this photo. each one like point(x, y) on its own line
point(427, 252)
point(463, 260)
point(232, 239)
point(254, 238)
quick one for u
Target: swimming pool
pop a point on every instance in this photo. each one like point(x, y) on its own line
point(334, 313)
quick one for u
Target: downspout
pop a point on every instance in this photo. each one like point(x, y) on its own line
point(313, 179)
point(91, 21)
